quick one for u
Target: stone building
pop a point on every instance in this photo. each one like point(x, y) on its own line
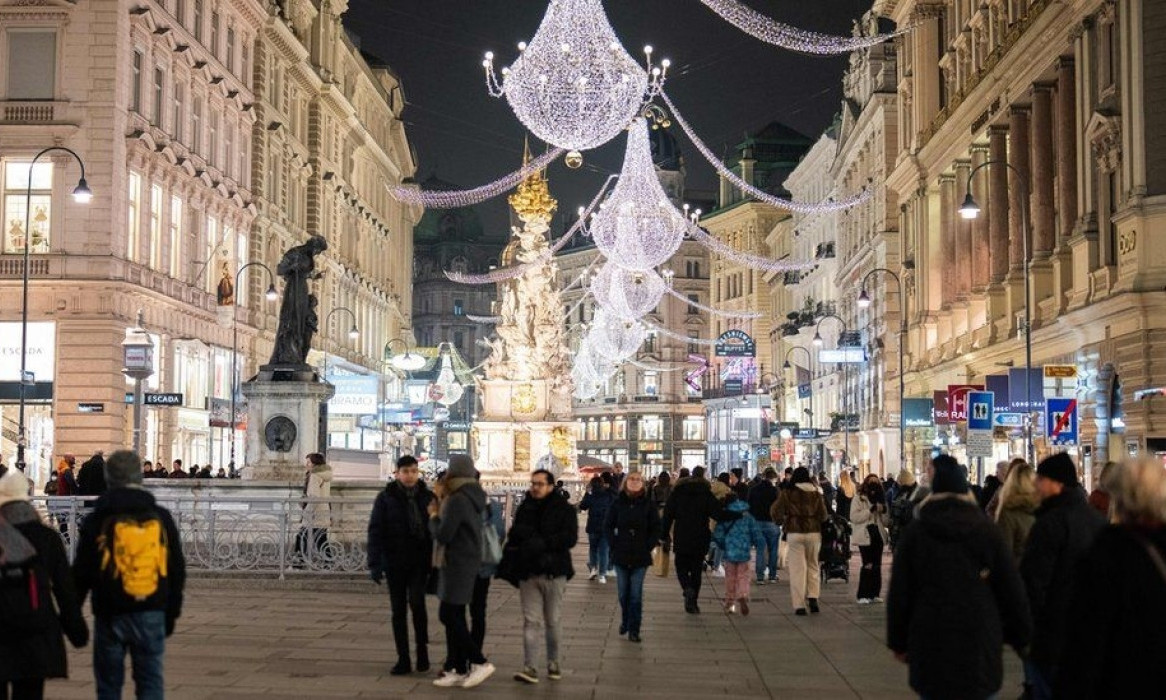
point(182, 122)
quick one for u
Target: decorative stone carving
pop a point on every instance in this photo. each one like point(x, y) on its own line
point(1104, 134)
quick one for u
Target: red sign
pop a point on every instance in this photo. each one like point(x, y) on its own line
point(939, 408)
point(957, 401)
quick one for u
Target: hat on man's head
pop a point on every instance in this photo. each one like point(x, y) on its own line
point(1060, 468)
point(461, 467)
point(801, 476)
point(122, 469)
point(906, 477)
point(13, 487)
point(950, 476)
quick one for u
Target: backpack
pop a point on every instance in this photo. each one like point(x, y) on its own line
point(491, 544)
point(25, 608)
point(135, 553)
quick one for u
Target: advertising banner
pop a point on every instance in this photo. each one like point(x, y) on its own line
point(918, 413)
point(1018, 393)
point(356, 395)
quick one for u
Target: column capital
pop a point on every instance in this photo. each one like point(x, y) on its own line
point(1042, 87)
point(1066, 62)
point(947, 178)
point(998, 130)
point(1022, 110)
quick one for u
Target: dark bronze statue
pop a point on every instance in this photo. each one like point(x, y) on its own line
point(297, 316)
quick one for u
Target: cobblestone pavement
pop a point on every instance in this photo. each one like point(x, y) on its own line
point(310, 639)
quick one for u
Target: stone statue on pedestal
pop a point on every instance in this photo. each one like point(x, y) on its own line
point(297, 316)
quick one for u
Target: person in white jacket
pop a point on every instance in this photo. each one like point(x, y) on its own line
point(313, 534)
point(868, 517)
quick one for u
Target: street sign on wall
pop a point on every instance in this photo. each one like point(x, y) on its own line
point(1061, 421)
point(980, 409)
point(735, 343)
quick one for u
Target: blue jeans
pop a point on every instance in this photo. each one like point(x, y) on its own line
point(1037, 681)
point(772, 535)
point(630, 583)
point(597, 551)
point(143, 635)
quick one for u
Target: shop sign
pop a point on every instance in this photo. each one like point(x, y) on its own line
point(356, 394)
point(162, 399)
point(1018, 393)
point(40, 360)
point(735, 343)
point(957, 401)
point(91, 408)
point(939, 408)
point(918, 413)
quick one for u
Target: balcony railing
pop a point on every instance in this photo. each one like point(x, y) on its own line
point(23, 112)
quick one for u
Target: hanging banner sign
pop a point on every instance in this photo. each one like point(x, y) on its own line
point(918, 413)
point(735, 343)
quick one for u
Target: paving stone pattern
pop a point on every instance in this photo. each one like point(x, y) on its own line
point(308, 638)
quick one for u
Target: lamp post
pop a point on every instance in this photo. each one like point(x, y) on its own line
point(407, 361)
point(270, 295)
point(810, 368)
point(818, 342)
point(81, 194)
point(864, 302)
point(970, 210)
point(138, 351)
point(353, 334)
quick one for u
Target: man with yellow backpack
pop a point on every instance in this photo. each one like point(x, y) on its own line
point(130, 557)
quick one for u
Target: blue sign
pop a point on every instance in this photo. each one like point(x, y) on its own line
point(804, 391)
point(1018, 393)
point(1008, 420)
point(998, 385)
point(981, 406)
point(1061, 421)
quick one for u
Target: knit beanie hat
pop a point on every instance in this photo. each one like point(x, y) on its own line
point(13, 487)
point(461, 467)
point(950, 476)
point(1060, 468)
point(801, 476)
point(123, 468)
point(906, 477)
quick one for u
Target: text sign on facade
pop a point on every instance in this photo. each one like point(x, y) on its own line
point(918, 413)
point(842, 356)
point(1060, 371)
point(735, 343)
point(162, 399)
point(957, 401)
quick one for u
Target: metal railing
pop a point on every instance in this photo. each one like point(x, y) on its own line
point(256, 535)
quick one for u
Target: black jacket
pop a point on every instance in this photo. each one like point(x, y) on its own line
point(761, 500)
point(90, 575)
point(1064, 530)
point(687, 514)
point(596, 502)
point(398, 542)
point(91, 477)
point(43, 655)
point(955, 599)
point(1119, 603)
point(540, 540)
point(633, 529)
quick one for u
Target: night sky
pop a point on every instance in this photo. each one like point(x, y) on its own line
point(726, 83)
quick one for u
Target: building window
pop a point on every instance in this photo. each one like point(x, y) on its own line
point(692, 268)
point(159, 96)
point(650, 342)
point(604, 429)
point(651, 428)
point(693, 427)
point(175, 237)
point(459, 341)
point(179, 117)
point(156, 227)
point(459, 307)
point(16, 188)
point(693, 300)
point(197, 21)
point(245, 65)
point(196, 125)
point(240, 261)
point(136, 85)
point(32, 64)
point(133, 211)
point(652, 383)
point(693, 348)
point(213, 45)
point(231, 49)
point(592, 430)
point(212, 155)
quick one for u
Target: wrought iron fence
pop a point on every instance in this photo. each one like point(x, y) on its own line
point(260, 535)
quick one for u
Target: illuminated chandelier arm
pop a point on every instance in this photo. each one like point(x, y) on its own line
point(780, 202)
point(789, 37)
point(441, 199)
point(484, 319)
point(715, 312)
point(753, 261)
point(653, 368)
point(676, 336)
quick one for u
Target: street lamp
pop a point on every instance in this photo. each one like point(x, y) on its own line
point(82, 195)
point(407, 361)
point(970, 210)
point(270, 295)
point(138, 351)
point(864, 302)
point(353, 334)
point(845, 374)
point(810, 367)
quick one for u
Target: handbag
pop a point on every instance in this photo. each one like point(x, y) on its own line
point(661, 561)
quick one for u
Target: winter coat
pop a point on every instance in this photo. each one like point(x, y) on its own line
point(43, 655)
point(1119, 603)
point(737, 538)
point(800, 509)
point(540, 540)
point(828, 495)
point(761, 500)
point(108, 596)
point(687, 514)
point(660, 494)
point(1017, 514)
point(596, 502)
point(955, 599)
point(67, 483)
point(457, 530)
point(1100, 501)
point(91, 477)
point(397, 539)
point(862, 517)
point(902, 509)
point(633, 529)
point(1064, 531)
point(318, 485)
point(842, 504)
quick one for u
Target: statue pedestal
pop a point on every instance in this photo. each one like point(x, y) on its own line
point(283, 424)
point(507, 450)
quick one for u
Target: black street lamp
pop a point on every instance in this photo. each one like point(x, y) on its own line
point(82, 195)
point(864, 302)
point(270, 295)
point(970, 210)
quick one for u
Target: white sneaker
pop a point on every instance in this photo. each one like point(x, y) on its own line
point(876, 599)
point(591, 574)
point(864, 601)
point(477, 674)
point(719, 572)
point(450, 679)
point(602, 578)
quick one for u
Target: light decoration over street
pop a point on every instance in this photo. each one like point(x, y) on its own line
point(756, 262)
point(452, 199)
point(574, 85)
point(652, 327)
point(627, 293)
point(615, 338)
point(446, 390)
point(638, 228)
point(786, 36)
point(723, 313)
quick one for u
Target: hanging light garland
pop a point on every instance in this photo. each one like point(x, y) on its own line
point(452, 199)
point(626, 293)
point(773, 32)
point(484, 319)
point(574, 85)
point(653, 368)
point(794, 205)
point(637, 227)
point(615, 338)
point(676, 336)
point(730, 253)
point(714, 311)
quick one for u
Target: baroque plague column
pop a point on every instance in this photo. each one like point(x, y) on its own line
point(526, 420)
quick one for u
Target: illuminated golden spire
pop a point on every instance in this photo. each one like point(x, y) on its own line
point(532, 201)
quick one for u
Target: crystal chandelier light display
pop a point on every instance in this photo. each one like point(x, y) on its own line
point(446, 390)
point(614, 338)
point(625, 293)
point(637, 227)
point(574, 85)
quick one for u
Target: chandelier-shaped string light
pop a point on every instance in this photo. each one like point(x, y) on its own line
point(590, 370)
point(801, 207)
point(451, 199)
point(574, 85)
point(773, 32)
point(653, 368)
point(615, 338)
point(484, 319)
point(730, 253)
point(637, 227)
point(446, 390)
point(626, 293)
point(723, 313)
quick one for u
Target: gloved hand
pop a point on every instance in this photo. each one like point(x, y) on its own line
point(377, 574)
point(170, 626)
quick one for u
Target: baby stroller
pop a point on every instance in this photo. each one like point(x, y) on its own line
point(834, 557)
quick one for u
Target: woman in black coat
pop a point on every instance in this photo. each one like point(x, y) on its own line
point(26, 661)
point(633, 528)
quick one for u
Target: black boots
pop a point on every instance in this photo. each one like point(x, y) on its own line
point(813, 605)
point(422, 659)
point(403, 668)
point(690, 605)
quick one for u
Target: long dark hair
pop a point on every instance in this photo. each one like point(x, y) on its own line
point(873, 489)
